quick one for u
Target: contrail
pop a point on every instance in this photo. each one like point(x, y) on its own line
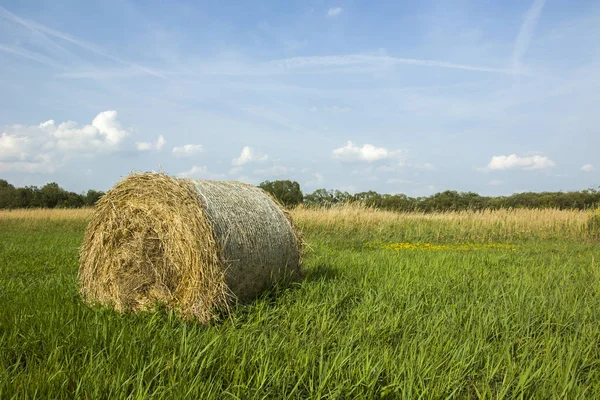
point(31, 56)
point(33, 26)
point(526, 32)
point(377, 61)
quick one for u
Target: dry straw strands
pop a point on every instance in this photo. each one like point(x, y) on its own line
point(192, 245)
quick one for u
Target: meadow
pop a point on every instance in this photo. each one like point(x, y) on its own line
point(495, 305)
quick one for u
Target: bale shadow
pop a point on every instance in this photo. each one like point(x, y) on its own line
point(321, 272)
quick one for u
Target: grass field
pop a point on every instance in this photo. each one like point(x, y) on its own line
point(501, 304)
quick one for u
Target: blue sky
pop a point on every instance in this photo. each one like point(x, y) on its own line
point(399, 97)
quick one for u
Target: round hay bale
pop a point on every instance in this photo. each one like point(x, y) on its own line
point(192, 245)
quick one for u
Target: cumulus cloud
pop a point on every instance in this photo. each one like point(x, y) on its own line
point(104, 133)
point(13, 148)
point(588, 168)
point(47, 146)
point(334, 11)
point(367, 152)
point(146, 146)
point(143, 146)
point(248, 155)
point(513, 161)
point(160, 143)
point(187, 150)
point(108, 127)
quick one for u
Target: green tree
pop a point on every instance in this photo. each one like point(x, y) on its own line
point(52, 195)
point(7, 194)
point(92, 197)
point(319, 197)
point(72, 200)
point(325, 198)
point(286, 192)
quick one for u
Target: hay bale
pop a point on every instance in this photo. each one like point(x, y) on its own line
point(192, 245)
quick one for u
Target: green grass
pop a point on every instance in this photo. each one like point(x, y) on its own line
point(365, 322)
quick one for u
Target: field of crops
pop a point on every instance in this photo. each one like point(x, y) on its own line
point(502, 304)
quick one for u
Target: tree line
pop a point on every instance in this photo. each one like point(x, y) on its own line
point(50, 195)
point(290, 194)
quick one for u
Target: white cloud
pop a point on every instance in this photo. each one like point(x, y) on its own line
point(47, 124)
point(143, 146)
point(588, 168)
point(334, 11)
point(248, 155)
point(317, 181)
point(107, 125)
point(105, 132)
point(160, 143)
point(47, 146)
point(368, 153)
point(495, 182)
point(514, 161)
point(146, 146)
point(12, 147)
point(187, 150)
point(276, 171)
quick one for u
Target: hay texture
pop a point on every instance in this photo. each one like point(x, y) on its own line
point(194, 246)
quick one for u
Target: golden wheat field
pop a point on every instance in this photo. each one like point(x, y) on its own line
point(356, 214)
